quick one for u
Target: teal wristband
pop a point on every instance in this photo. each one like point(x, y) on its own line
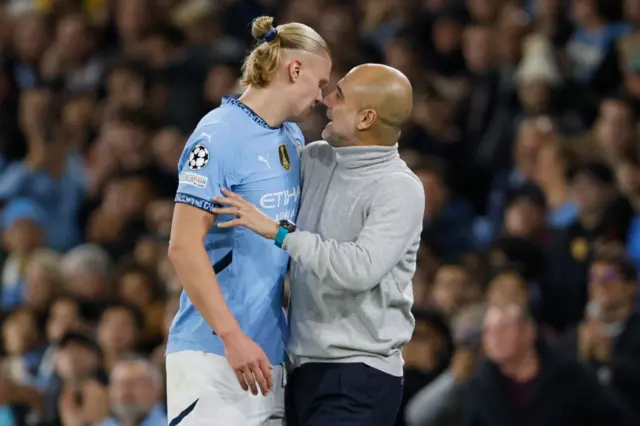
point(279, 239)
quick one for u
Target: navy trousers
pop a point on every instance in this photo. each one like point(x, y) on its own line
point(353, 394)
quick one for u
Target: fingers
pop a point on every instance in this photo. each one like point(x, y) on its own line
point(226, 201)
point(261, 379)
point(241, 380)
point(230, 223)
point(251, 380)
point(265, 367)
point(231, 194)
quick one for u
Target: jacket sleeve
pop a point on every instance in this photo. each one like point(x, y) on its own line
point(392, 224)
point(429, 406)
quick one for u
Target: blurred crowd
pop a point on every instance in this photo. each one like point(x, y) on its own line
point(524, 134)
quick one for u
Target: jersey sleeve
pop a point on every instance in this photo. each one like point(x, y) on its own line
point(204, 169)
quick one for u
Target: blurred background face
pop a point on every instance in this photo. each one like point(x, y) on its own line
point(583, 10)
point(447, 35)
point(506, 290)
point(125, 140)
point(127, 198)
point(484, 10)
point(20, 332)
point(159, 214)
point(39, 288)
point(75, 362)
point(450, 288)
point(148, 250)
point(523, 218)
point(628, 178)
point(118, 331)
point(22, 237)
point(63, 318)
point(548, 8)
point(84, 284)
point(505, 335)
point(133, 390)
point(135, 288)
point(631, 10)
point(590, 195)
point(72, 38)
point(478, 49)
point(614, 127)
point(607, 288)
point(126, 89)
point(133, 18)
point(77, 112)
point(30, 38)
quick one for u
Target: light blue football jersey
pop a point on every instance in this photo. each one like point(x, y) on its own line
point(233, 148)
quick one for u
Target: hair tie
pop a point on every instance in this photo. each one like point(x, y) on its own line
point(270, 35)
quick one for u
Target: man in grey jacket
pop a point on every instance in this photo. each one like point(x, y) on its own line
point(353, 256)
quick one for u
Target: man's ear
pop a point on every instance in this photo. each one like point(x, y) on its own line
point(367, 118)
point(294, 70)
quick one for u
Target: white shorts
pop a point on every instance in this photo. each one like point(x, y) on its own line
point(202, 389)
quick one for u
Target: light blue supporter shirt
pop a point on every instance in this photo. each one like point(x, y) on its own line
point(233, 148)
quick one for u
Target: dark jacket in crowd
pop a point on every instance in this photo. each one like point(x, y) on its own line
point(622, 373)
point(563, 394)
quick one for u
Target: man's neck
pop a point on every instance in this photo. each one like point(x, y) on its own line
point(262, 102)
point(522, 368)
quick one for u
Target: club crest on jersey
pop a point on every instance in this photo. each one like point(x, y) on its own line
point(198, 157)
point(283, 155)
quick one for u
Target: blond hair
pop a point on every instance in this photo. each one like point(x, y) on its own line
point(261, 64)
